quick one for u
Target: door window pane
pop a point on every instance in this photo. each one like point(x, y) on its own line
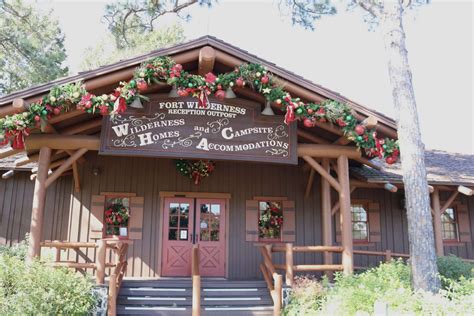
point(174, 208)
point(204, 235)
point(173, 234)
point(173, 221)
point(184, 209)
point(183, 222)
point(205, 208)
point(216, 209)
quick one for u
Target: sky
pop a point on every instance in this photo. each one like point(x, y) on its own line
point(341, 54)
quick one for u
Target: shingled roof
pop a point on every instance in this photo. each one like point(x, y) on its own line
point(442, 168)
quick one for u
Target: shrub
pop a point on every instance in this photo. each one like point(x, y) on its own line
point(19, 250)
point(38, 289)
point(454, 268)
point(389, 283)
point(307, 296)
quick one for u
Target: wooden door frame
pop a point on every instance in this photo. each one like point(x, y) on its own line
point(193, 195)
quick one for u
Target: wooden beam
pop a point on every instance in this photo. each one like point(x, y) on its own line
point(52, 165)
point(65, 166)
point(367, 162)
point(327, 151)
point(390, 187)
point(64, 142)
point(448, 203)
point(370, 122)
point(311, 137)
point(309, 185)
point(207, 57)
point(465, 190)
point(81, 127)
point(437, 223)
point(37, 212)
point(337, 205)
point(50, 129)
point(326, 221)
point(335, 184)
point(19, 105)
point(77, 182)
point(9, 152)
point(8, 174)
point(345, 215)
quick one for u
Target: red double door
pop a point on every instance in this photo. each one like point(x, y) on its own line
point(189, 221)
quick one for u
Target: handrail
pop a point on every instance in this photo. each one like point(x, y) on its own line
point(119, 265)
point(272, 278)
point(388, 254)
point(116, 277)
point(196, 304)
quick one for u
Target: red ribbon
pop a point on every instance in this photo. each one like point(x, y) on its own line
point(203, 100)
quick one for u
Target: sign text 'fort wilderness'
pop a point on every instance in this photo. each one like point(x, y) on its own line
point(180, 128)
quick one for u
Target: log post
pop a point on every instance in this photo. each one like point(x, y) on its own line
point(388, 255)
point(437, 222)
point(39, 197)
point(278, 278)
point(326, 213)
point(101, 254)
point(112, 303)
point(289, 264)
point(345, 214)
point(196, 279)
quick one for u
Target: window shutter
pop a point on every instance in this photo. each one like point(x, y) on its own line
point(289, 221)
point(251, 220)
point(374, 222)
point(337, 221)
point(463, 221)
point(97, 217)
point(136, 217)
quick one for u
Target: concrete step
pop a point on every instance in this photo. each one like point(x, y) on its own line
point(187, 292)
point(186, 311)
point(187, 301)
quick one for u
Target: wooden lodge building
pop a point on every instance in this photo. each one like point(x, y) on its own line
point(333, 208)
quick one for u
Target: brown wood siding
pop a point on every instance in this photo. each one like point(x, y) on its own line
point(68, 213)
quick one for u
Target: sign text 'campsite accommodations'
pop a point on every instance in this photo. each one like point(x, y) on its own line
point(179, 128)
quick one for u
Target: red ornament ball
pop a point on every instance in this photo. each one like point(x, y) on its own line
point(359, 129)
point(37, 118)
point(183, 93)
point(239, 82)
point(220, 94)
point(310, 111)
point(390, 160)
point(57, 111)
point(142, 85)
point(308, 122)
point(265, 79)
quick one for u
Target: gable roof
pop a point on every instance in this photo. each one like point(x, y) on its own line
point(38, 90)
point(441, 167)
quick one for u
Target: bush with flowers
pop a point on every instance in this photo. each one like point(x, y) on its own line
point(116, 216)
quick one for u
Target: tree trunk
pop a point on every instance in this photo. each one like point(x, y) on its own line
point(420, 226)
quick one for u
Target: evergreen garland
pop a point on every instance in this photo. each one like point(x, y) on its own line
point(163, 69)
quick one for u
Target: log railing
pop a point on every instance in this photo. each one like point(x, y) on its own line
point(272, 278)
point(119, 266)
point(289, 267)
point(196, 304)
point(115, 281)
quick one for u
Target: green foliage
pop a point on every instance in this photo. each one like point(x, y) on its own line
point(18, 250)
point(129, 20)
point(31, 47)
point(106, 52)
point(305, 13)
point(454, 268)
point(37, 289)
point(389, 283)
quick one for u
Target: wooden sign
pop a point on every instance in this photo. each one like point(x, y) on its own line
point(232, 129)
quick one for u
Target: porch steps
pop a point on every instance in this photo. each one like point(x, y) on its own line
point(174, 297)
